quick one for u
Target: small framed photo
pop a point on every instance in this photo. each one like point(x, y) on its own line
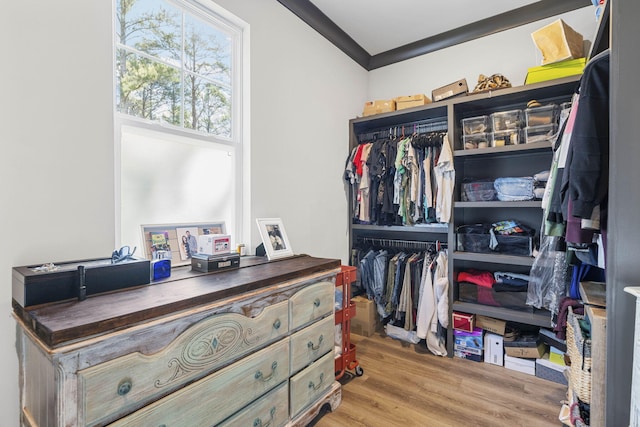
point(177, 242)
point(274, 238)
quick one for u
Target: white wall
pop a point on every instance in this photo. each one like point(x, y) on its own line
point(509, 53)
point(303, 92)
point(57, 161)
point(56, 166)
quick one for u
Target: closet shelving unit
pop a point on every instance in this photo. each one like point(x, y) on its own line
point(494, 162)
point(428, 117)
point(491, 162)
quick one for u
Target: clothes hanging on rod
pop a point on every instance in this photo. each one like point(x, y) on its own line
point(401, 181)
point(393, 275)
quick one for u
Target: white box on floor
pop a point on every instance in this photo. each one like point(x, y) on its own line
point(493, 349)
point(526, 366)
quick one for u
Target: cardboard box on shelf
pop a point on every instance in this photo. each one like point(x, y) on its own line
point(493, 349)
point(456, 88)
point(525, 347)
point(366, 321)
point(377, 107)
point(542, 73)
point(410, 101)
point(557, 41)
point(463, 321)
point(489, 324)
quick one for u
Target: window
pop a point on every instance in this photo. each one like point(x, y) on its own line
point(179, 109)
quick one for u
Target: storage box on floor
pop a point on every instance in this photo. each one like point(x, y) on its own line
point(366, 321)
point(468, 345)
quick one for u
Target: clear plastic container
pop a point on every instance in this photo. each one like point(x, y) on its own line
point(478, 191)
point(538, 116)
point(475, 125)
point(507, 137)
point(506, 120)
point(478, 140)
point(540, 133)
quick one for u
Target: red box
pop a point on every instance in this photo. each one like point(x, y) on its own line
point(463, 321)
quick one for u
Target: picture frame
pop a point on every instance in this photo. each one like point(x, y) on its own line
point(167, 241)
point(274, 238)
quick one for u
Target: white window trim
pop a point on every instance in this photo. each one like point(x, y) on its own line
point(241, 119)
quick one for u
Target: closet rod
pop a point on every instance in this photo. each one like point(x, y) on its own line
point(420, 126)
point(408, 244)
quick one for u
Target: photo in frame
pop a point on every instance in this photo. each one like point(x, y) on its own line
point(274, 238)
point(177, 242)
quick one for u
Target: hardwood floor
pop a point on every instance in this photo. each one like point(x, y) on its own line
point(405, 385)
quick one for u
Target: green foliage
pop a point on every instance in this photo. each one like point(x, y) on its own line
point(162, 77)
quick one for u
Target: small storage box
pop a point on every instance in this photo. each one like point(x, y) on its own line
point(463, 322)
point(514, 189)
point(538, 116)
point(478, 191)
point(411, 101)
point(507, 137)
point(477, 238)
point(544, 133)
point(506, 120)
point(377, 107)
point(474, 125)
point(478, 140)
point(551, 371)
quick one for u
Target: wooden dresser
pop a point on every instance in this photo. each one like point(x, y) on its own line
point(252, 346)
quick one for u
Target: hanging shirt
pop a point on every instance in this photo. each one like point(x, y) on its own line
point(365, 204)
point(446, 178)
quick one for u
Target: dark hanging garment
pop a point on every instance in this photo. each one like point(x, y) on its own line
point(586, 175)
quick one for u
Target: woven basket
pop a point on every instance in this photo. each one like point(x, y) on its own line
point(579, 349)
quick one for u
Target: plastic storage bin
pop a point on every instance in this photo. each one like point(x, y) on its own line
point(538, 116)
point(514, 189)
point(475, 125)
point(477, 238)
point(506, 120)
point(507, 137)
point(478, 191)
point(540, 133)
point(478, 140)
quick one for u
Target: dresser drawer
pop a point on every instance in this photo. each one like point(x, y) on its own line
point(127, 383)
point(270, 410)
point(307, 386)
point(311, 303)
point(312, 342)
point(216, 397)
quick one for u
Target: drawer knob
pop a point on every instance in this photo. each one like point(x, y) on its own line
point(317, 387)
point(313, 347)
point(277, 324)
point(258, 422)
point(316, 302)
point(260, 376)
point(124, 387)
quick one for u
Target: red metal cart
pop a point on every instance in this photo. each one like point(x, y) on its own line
point(346, 360)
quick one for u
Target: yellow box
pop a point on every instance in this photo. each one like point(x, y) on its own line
point(377, 107)
point(366, 321)
point(558, 42)
point(410, 101)
point(571, 67)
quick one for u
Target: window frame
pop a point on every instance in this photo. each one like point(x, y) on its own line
point(240, 113)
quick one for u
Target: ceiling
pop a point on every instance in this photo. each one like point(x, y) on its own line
point(375, 33)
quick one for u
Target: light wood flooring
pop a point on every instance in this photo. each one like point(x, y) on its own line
point(405, 385)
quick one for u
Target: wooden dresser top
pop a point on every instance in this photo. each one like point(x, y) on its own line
point(63, 322)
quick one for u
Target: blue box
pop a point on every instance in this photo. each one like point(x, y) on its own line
point(471, 340)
